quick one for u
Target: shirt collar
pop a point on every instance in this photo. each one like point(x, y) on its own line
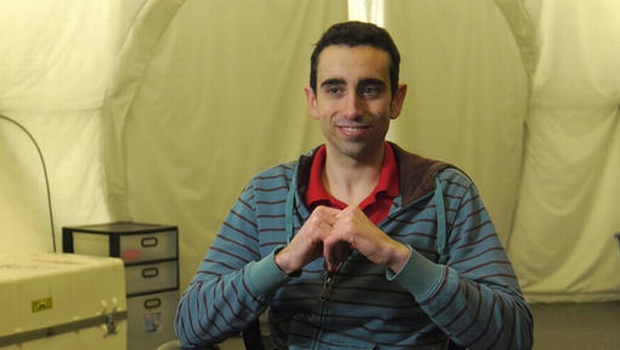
point(388, 181)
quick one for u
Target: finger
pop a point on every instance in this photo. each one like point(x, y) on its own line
point(331, 261)
point(335, 252)
point(326, 214)
point(330, 210)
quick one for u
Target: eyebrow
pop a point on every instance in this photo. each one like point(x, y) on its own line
point(333, 81)
point(363, 82)
point(371, 81)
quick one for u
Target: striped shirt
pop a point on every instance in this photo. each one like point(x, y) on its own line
point(457, 286)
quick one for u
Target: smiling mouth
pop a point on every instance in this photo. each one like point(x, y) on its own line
point(353, 128)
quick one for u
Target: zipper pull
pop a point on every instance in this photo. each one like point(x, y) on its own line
point(327, 286)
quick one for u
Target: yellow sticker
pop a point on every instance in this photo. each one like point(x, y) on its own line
point(42, 304)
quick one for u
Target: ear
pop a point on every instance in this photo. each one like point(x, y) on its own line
point(313, 105)
point(398, 100)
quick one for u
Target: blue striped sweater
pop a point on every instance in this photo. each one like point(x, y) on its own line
point(458, 285)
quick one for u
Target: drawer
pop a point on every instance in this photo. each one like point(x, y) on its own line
point(148, 246)
point(150, 320)
point(132, 242)
point(146, 278)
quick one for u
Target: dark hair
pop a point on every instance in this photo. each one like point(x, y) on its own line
point(354, 33)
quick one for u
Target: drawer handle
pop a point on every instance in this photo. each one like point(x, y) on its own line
point(150, 272)
point(152, 303)
point(149, 242)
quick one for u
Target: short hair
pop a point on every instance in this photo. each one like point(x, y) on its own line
point(355, 33)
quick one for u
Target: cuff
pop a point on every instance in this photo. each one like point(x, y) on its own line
point(265, 276)
point(419, 275)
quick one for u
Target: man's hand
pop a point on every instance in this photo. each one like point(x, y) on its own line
point(307, 244)
point(333, 233)
point(353, 227)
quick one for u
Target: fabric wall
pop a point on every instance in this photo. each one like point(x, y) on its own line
point(160, 111)
point(206, 94)
point(524, 96)
point(563, 241)
point(55, 61)
point(468, 93)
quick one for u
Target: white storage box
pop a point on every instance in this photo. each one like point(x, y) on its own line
point(62, 301)
point(133, 242)
point(151, 320)
point(150, 254)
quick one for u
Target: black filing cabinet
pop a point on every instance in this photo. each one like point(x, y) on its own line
point(151, 258)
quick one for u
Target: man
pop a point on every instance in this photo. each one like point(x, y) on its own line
point(358, 244)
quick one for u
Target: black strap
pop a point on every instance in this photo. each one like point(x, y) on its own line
point(252, 338)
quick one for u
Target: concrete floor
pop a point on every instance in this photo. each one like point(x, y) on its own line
point(576, 326)
point(583, 326)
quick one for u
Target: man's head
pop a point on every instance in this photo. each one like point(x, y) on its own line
point(354, 91)
point(357, 34)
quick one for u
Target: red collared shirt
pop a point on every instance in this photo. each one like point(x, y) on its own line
point(376, 206)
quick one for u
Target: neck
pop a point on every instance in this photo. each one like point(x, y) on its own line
point(351, 180)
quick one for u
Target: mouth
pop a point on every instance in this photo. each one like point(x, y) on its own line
point(352, 130)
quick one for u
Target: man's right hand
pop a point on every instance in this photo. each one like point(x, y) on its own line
point(307, 244)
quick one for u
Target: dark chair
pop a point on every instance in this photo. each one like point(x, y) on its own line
point(252, 337)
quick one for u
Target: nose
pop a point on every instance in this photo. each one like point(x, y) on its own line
point(353, 106)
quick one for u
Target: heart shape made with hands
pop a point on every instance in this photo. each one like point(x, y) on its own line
point(333, 233)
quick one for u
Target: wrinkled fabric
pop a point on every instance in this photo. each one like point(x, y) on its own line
point(160, 111)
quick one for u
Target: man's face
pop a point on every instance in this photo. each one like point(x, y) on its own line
point(353, 101)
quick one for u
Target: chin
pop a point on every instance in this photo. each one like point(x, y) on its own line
point(357, 151)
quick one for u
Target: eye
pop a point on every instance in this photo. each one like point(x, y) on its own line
point(334, 90)
point(370, 91)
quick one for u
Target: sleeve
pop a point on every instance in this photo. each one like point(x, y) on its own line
point(474, 297)
point(233, 282)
